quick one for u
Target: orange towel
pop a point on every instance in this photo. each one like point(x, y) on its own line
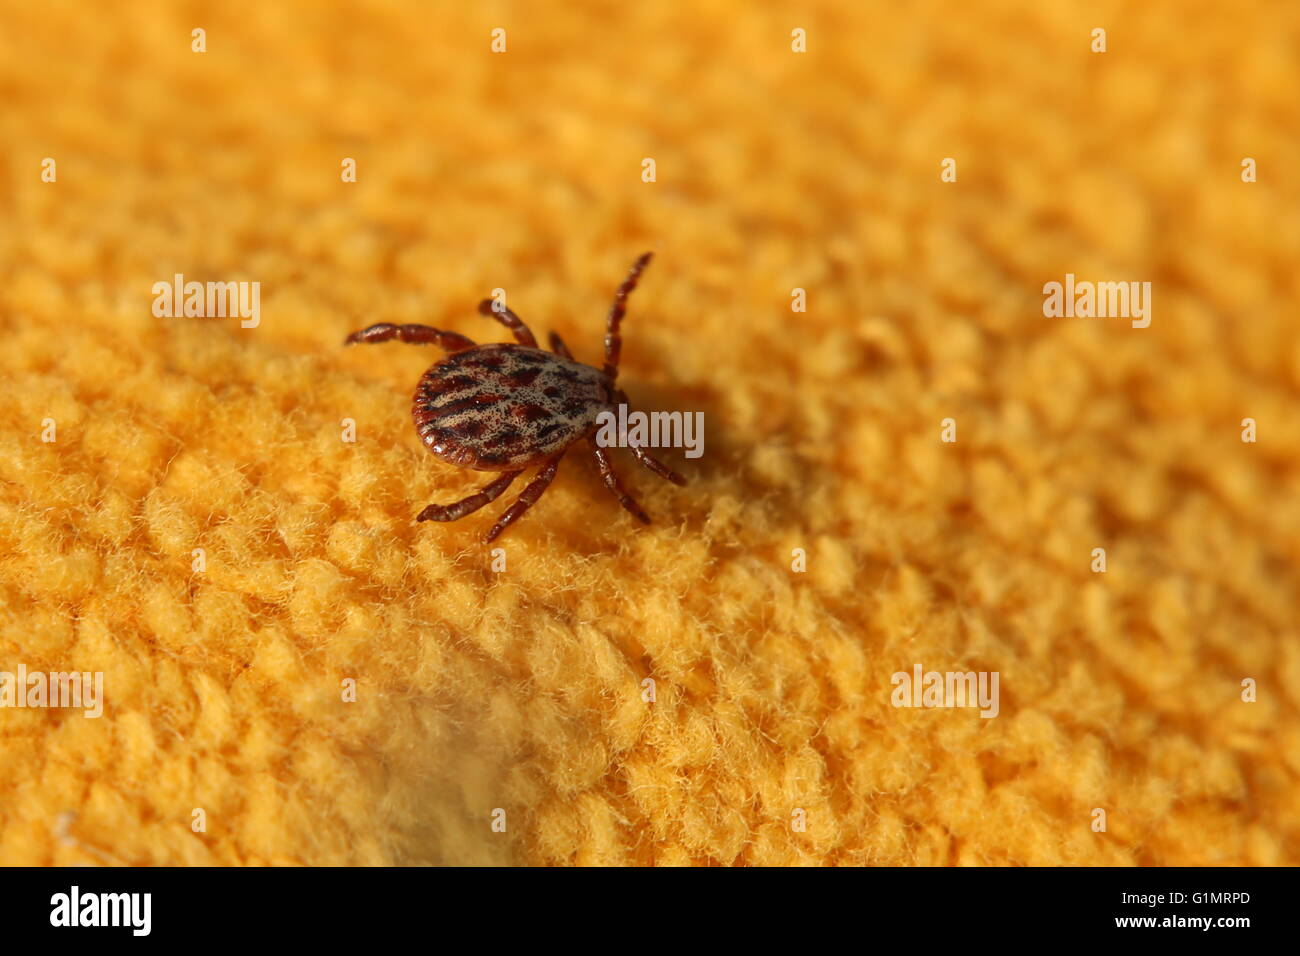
point(295, 672)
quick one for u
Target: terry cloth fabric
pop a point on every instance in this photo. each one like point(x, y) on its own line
point(181, 513)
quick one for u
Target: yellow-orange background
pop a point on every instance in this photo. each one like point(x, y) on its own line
point(775, 170)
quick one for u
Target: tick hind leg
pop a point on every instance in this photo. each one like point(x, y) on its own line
point(459, 509)
point(411, 335)
point(610, 478)
point(523, 334)
point(527, 498)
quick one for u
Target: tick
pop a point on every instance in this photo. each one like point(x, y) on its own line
point(507, 408)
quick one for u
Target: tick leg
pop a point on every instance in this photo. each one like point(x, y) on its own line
point(459, 509)
point(614, 341)
point(559, 348)
point(523, 335)
point(658, 467)
point(411, 335)
point(527, 498)
point(608, 476)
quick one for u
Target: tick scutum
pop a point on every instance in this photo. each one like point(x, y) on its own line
point(503, 407)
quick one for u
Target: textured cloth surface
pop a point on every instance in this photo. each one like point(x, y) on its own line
point(522, 690)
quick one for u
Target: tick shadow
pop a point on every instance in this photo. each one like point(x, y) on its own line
point(724, 465)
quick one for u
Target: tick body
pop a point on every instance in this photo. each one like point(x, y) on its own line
point(498, 407)
point(510, 407)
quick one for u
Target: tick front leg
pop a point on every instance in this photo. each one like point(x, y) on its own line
point(411, 335)
point(658, 467)
point(523, 334)
point(608, 476)
point(527, 498)
point(459, 509)
point(613, 340)
point(559, 348)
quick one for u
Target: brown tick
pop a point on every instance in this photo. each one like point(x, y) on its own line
point(508, 408)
